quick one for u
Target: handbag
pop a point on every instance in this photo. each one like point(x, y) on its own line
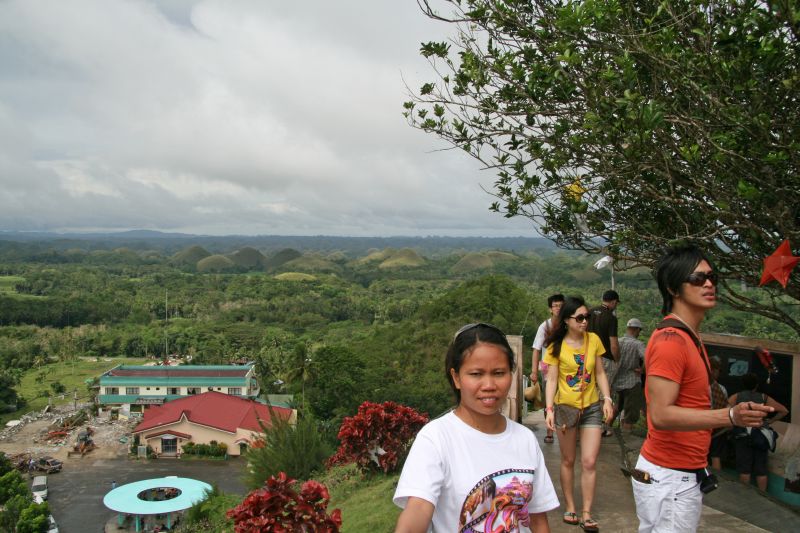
point(566, 416)
point(533, 394)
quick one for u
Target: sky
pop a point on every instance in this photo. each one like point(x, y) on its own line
point(226, 117)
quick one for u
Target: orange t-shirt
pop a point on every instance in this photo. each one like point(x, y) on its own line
point(673, 355)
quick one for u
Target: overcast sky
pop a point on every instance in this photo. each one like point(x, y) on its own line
point(227, 117)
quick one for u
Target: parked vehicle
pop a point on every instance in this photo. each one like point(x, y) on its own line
point(51, 524)
point(39, 487)
point(49, 465)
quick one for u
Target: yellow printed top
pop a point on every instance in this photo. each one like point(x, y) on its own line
point(577, 379)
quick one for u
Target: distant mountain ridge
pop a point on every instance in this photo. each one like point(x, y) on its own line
point(171, 243)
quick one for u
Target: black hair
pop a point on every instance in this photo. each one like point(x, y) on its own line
point(749, 381)
point(559, 328)
point(672, 270)
point(554, 298)
point(465, 342)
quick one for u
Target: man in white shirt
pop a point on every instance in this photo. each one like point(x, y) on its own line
point(554, 302)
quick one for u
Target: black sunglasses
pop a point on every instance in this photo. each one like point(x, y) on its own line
point(580, 319)
point(698, 279)
point(468, 327)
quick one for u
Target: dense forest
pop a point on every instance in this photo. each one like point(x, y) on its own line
point(333, 325)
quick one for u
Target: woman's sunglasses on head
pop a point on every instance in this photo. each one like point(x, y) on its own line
point(468, 327)
point(698, 279)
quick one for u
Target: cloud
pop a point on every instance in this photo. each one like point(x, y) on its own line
point(226, 117)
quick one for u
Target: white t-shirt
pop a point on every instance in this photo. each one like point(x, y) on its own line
point(541, 334)
point(475, 479)
point(538, 342)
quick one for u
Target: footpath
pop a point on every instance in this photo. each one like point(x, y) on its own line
point(732, 507)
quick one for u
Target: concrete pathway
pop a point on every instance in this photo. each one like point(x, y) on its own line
point(732, 507)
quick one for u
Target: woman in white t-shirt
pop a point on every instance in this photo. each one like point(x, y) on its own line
point(473, 469)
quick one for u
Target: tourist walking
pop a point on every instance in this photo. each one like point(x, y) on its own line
point(554, 303)
point(603, 323)
point(671, 474)
point(627, 385)
point(573, 403)
point(474, 469)
point(753, 444)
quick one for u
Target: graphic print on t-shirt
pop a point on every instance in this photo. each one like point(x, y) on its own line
point(498, 503)
point(581, 379)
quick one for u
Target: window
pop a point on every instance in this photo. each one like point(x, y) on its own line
point(211, 388)
point(148, 388)
point(112, 390)
point(131, 390)
point(237, 391)
point(192, 390)
point(175, 391)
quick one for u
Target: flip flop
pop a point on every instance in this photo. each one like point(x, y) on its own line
point(608, 433)
point(589, 524)
point(571, 518)
point(548, 439)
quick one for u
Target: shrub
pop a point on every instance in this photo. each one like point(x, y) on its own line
point(378, 436)
point(296, 450)
point(12, 484)
point(209, 514)
point(278, 507)
point(33, 519)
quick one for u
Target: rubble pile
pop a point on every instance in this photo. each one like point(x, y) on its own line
point(68, 429)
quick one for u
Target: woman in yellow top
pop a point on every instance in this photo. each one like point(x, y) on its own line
point(573, 402)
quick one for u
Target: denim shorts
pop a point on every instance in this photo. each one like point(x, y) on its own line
point(592, 416)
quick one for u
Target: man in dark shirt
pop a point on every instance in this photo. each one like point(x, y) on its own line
point(603, 322)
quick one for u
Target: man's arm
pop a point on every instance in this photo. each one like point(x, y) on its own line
point(662, 411)
point(537, 353)
point(614, 344)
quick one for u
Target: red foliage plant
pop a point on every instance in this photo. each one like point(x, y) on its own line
point(279, 508)
point(378, 436)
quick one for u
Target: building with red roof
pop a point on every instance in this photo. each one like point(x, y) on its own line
point(205, 417)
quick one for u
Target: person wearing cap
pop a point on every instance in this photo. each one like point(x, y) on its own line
point(627, 383)
point(603, 323)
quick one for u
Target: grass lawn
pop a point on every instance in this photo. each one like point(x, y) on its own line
point(365, 501)
point(35, 384)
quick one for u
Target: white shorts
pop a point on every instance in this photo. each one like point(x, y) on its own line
point(672, 502)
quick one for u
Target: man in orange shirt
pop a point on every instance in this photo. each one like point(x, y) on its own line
point(671, 473)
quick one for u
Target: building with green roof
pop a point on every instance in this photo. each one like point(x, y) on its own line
point(132, 388)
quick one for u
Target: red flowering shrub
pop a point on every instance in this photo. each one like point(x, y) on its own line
point(278, 507)
point(378, 436)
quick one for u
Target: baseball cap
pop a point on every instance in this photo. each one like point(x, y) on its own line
point(634, 323)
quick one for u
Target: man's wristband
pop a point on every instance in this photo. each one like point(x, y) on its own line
point(730, 415)
point(609, 398)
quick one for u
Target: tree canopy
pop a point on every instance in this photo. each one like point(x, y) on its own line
point(623, 127)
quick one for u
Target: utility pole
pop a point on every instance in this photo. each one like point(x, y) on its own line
point(166, 323)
